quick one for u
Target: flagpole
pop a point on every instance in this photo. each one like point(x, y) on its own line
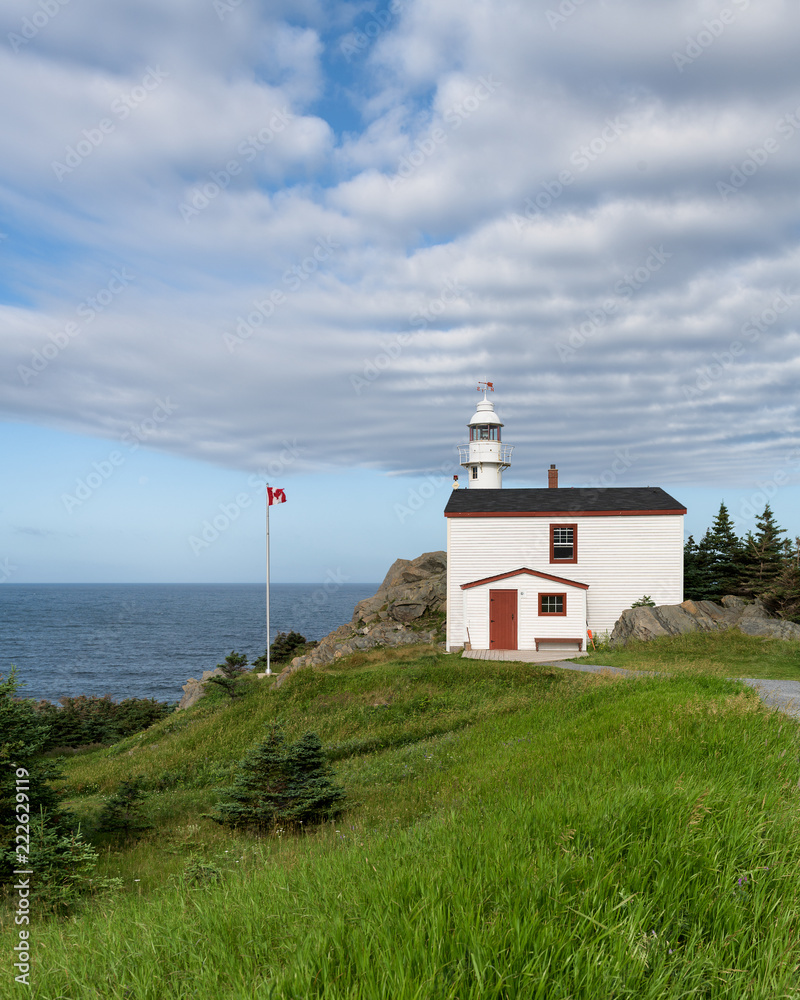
point(268, 666)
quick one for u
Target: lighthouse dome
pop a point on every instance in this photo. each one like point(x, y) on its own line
point(485, 414)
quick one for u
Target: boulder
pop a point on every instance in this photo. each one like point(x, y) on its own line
point(701, 616)
point(769, 628)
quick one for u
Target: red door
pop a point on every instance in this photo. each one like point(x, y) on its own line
point(502, 619)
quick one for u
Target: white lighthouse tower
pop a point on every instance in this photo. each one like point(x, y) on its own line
point(485, 456)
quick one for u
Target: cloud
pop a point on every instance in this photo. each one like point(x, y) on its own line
point(557, 206)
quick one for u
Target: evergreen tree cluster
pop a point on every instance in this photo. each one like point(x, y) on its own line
point(763, 565)
point(83, 720)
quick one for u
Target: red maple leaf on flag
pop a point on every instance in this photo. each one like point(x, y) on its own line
point(275, 496)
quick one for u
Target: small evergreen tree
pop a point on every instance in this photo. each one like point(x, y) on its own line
point(65, 866)
point(724, 555)
point(765, 554)
point(23, 738)
point(696, 569)
point(122, 814)
point(62, 864)
point(282, 783)
point(782, 596)
point(232, 669)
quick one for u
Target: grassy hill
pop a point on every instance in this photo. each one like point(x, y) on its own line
point(728, 653)
point(513, 831)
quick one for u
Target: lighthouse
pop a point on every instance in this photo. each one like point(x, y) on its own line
point(485, 456)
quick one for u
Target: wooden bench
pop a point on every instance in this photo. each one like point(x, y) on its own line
point(548, 639)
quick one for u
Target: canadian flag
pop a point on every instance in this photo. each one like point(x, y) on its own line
point(275, 496)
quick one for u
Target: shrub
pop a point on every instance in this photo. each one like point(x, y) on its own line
point(282, 783)
point(644, 602)
point(198, 874)
point(232, 669)
point(284, 647)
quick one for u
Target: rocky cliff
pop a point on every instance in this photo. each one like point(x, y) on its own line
point(701, 616)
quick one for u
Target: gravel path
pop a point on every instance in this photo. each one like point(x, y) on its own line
point(781, 695)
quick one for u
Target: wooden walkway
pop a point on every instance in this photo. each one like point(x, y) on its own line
point(521, 655)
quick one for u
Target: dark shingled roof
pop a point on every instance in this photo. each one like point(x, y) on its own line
point(561, 501)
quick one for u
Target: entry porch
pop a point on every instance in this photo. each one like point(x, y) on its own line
point(521, 655)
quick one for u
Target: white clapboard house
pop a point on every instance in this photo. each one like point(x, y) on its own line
point(535, 568)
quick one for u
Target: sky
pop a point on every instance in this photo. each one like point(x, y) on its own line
point(246, 242)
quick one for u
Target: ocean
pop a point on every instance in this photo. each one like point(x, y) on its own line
point(144, 640)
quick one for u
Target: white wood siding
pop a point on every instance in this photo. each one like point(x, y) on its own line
point(620, 557)
point(530, 624)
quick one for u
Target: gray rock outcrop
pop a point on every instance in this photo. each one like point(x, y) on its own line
point(701, 616)
point(193, 689)
point(344, 641)
point(412, 588)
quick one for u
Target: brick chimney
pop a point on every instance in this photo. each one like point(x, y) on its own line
point(552, 477)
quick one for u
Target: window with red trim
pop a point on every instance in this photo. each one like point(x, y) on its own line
point(552, 604)
point(563, 543)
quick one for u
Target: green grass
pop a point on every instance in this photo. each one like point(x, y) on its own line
point(514, 831)
point(727, 653)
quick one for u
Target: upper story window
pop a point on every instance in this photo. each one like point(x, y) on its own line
point(563, 543)
point(484, 432)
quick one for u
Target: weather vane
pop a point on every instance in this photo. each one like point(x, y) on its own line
point(485, 386)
